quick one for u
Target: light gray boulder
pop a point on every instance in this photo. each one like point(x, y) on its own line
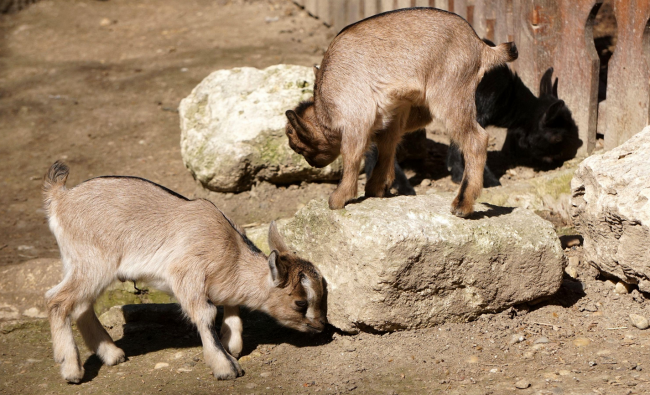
point(611, 209)
point(232, 128)
point(407, 262)
point(23, 287)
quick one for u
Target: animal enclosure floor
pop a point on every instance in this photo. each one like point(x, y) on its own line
point(97, 83)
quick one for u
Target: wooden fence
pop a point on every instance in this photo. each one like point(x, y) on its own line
point(549, 33)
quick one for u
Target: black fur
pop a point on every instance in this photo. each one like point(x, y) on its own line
point(541, 130)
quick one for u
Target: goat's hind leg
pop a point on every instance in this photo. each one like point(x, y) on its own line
point(472, 140)
point(231, 330)
point(383, 174)
point(97, 339)
point(61, 302)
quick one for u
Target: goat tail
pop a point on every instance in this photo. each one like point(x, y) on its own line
point(499, 55)
point(54, 181)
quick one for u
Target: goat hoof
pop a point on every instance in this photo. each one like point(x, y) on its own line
point(461, 211)
point(230, 374)
point(113, 357)
point(336, 203)
point(72, 374)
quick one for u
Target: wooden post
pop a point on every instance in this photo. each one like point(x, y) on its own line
point(536, 30)
point(354, 11)
point(370, 8)
point(577, 65)
point(325, 12)
point(628, 76)
point(339, 14)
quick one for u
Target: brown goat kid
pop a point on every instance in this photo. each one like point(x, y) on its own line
point(389, 75)
point(126, 228)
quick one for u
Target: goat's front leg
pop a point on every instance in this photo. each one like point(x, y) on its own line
point(231, 330)
point(383, 175)
point(352, 149)
point(202, 313)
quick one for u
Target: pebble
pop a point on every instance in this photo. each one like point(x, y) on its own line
point(622, 288)
point(639, 321)
point(542, 340)
point(161, 365)
point(183, 370)
point(105, 22)
point(265, 374)
point(251, 385)
point(571, 271)
point(517, 338)
point(426, 182)
point(610, 284)
point(522, 384)
point(581, 341)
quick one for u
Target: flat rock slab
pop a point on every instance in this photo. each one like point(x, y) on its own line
point(407, 262)
point(232, 128)
point(611, 209)
point(23, 287)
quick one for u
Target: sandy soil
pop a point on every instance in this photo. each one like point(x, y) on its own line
point(97, 83)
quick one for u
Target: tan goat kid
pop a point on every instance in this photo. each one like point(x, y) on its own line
point(389, 75)
point(126, 228)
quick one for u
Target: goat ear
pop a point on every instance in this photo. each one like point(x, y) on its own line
point(276, 242)
point(298, 125)
point(276, 269)
point(555, 89)
point(316, 71)
point(552, 112)
point(545, 85)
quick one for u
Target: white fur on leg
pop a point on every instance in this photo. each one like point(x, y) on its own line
point(231, 331)
point(110, 354)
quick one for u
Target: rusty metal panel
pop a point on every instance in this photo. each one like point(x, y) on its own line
point(628, 76)
point(577, 65)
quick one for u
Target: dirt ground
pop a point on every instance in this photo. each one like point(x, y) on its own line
point(97, 83)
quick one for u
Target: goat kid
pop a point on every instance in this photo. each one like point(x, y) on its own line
point(388, 75)
point(541, 130)
point(127, 228)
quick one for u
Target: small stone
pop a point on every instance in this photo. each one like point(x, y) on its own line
point(542, 340)
point(581, 341)
point(610, 284)
point(564, 372)
point(473, 359)
point(34, 312)
point(522, 384)
point(161, 365)
point(622, 288)
point(516, 338)
point(494, 370)
point(592, 363)
point(571, 271)
point(425, 183)
point(639, 321)
point(251, 385)
point(104, 22)
point(183, 370)
point(265, 374)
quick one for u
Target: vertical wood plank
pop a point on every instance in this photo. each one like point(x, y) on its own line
point(312, 7)
point(442, 4)
point(300, 2)
point(536, 25)
point(628, 78)
point(354, 11)
point(339, 14)
point(403, 3)
point(577, 65)
point(370, 8)
point(460, 7)
point(422, 3)
point(387, 5)
point(325, 12)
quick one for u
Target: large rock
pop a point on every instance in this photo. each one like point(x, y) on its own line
point(610, 194)
point(232, 128)
point(407, 262)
